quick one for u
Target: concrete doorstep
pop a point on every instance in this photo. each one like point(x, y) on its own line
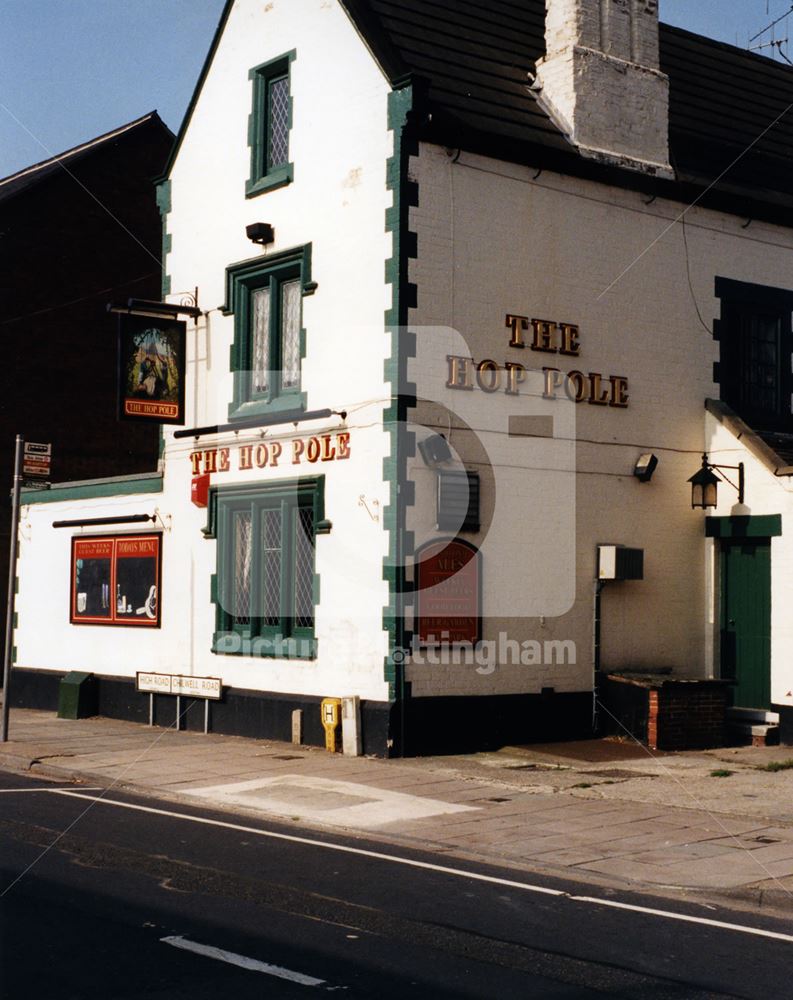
point(719, 821)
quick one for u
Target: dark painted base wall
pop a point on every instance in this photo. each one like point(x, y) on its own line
point(240, 713)
point(430, 725)
point(785, 724)
point(466, 724)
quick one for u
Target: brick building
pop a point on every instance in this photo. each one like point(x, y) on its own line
point(76, 231)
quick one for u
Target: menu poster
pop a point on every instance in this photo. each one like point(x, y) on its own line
point(116, 580)
point(92, 561)
point(448, 593)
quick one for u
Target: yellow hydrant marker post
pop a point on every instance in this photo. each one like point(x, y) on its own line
point(331, 717)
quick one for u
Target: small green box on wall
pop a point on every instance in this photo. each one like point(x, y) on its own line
point(77, 696)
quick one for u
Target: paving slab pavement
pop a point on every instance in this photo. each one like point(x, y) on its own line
point(546, 808)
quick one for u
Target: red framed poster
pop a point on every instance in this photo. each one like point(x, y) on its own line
point(116, 580)
point(448, 593)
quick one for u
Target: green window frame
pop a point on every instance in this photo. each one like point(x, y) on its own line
point(265, 296)
point(755, 369)
point(269, 125)
point(266, 588)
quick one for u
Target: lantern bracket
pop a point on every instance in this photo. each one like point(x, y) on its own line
point(739, 486)
point(705, 475)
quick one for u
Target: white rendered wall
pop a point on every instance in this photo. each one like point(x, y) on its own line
point(44, 638)
point(494, 239)
point(764, 494)
point(339, 144)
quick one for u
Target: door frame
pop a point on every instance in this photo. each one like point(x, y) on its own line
point(735, 530)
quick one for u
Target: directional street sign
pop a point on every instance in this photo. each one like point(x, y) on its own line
point(36, 460)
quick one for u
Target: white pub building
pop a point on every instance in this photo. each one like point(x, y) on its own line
point(476, 291)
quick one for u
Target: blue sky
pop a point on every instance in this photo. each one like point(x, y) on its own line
point(72, 69)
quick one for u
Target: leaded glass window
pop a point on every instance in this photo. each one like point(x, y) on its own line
point(304, 568)
point(260, 336)
point(269, 126)
point(271, 567)
point(242, 567)
point(274, 336)
point(278, 121)
point(755, 366)
point(760, 369)
point(265, 589)
point(290, 334)
point(266, 297)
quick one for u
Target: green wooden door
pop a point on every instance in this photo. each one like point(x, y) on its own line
point(746, 620)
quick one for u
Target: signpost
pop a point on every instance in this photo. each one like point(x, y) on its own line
point(12, 574)
point(36, 465)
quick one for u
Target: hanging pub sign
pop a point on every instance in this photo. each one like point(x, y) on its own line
point(116, 580)
point(151, 369)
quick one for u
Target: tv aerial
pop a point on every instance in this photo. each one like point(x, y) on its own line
point(761, 41)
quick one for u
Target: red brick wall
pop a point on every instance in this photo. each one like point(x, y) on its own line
point(686, 716)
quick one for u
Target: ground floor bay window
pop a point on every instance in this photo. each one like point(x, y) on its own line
point(266, 588)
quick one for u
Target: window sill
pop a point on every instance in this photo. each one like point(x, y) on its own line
point(273, 647)
point(269, 182)
point(262, 407)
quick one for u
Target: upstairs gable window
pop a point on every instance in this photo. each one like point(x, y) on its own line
point(269, 125)
point(277, 122)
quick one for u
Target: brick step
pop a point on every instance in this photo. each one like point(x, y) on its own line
point(754, 716)
point(753, 734)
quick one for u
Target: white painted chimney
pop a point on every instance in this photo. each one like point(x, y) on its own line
point(600, 83)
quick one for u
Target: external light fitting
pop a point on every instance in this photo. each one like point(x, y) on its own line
point(705, 483)
point(645, 467)
point(435, 450)
point(260, 232)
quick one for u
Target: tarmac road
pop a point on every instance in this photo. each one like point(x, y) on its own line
point(130, 897)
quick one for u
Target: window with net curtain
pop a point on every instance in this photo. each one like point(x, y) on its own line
point(266, 297)
point(275, 337)
point(265, 584)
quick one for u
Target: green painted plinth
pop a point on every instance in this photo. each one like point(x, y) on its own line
point(77, 696)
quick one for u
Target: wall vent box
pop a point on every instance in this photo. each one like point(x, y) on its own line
point(435, 450)
point(458, 501)
point(616, 562)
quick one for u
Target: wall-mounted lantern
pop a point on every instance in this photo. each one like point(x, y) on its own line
point(704, 484)
point(261, 233)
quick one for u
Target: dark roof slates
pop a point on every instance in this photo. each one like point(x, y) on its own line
point(509, 84)
point(516, 21)
point(450, 34)
point(67, 160)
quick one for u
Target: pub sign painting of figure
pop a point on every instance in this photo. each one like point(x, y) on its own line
point(151, 369)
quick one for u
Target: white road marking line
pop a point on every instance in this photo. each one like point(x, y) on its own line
point(15, 791)
point(241, 961)
point(443, 869)
point(343, 848)
point(671, 915)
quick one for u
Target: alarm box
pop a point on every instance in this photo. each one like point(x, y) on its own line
point(617, 562)
point(199, 490)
